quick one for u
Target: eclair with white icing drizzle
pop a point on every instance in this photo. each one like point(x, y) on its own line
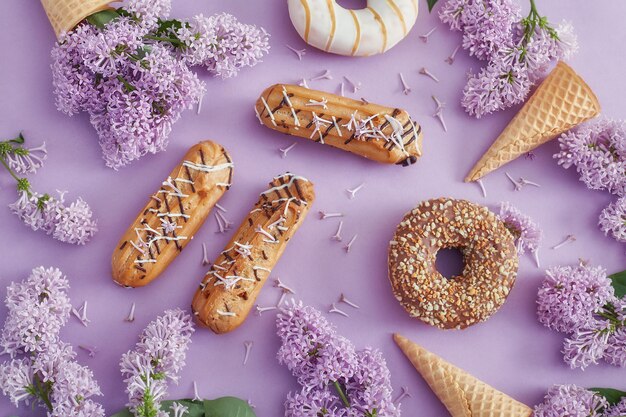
point(172, 215)
point(228, 291)
point(383, 134)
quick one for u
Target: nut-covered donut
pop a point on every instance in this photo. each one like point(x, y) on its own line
point(490, 263)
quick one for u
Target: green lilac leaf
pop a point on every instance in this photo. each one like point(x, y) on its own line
point(101, 18)
point(613, 396)
point(618, 281)
point(228, 407)
point(221, 407)
point(431, 4)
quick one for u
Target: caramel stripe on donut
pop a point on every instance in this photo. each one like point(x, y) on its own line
point(333, 23)
point(414, 3)
point(357, 36)
point(307, 27)
point(398, 12)
point(383, 28)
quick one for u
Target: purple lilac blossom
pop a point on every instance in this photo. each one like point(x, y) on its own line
point(487, 25)
point(46, 374)
point(570, 296)
point(71, 223)
point(618, 410)
point(222, 44)
point(613, 220)
point(38, 308)
point(598, 151)
point(586, 345)
point(26, 160)
point(325, 364)
point(571, 401)
point(158, 357)
point(526, 232)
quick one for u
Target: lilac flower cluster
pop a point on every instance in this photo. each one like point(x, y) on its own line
point(571, 400)
point(336, 379)
point(613, 220)
point(71, 223)
point(156, 360)
point(526, 232)
point(42, 370)
point(518, 51)
point(598, 151)
point(20, 159)
point(132, 75)
point(580, 301)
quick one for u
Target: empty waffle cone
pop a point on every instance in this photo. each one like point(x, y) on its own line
point(562, 101)
point(64, 15)
point(461, 393)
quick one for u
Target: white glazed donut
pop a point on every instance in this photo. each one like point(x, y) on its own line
point(373, 30)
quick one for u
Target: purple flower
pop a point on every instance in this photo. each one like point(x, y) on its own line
point(370, 388)
point(487, 26)
point(497, 86)
point(222, 44)
point(598, 151)
point(570, 401)
point(148, 12)
point(568, 41)
point(586, 345)
point(618, 410)
point(16, 377)
point(67, 223)
point(72, 387)
point(451, 13)
point(312, 404)
point(526, 232)
point(26, 160)
point(336, 380)
point(311, 349)
point(613, 220)
point(158, 357)
point(38, 307)
point(569, 296)
point(615, 352)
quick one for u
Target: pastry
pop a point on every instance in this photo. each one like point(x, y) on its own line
point(562, 101)
point(372, 30)
point(489, 254)
point(228, 291)
point(64, 15)
point(461, 393)
point(383, 134)
point(172, 215)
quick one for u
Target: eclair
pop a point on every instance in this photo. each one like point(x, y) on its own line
point(229, 289)
point(383, 134)
point(172, 215)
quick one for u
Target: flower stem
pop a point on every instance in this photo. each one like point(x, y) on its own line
point(341, 394)
point(4, 163)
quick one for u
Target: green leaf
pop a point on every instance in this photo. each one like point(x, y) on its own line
point(19, 139)
point(431, 4)
point(221, 407)
point(227, 407)
point(613, 396)
point(101, 18)
point(619, 283)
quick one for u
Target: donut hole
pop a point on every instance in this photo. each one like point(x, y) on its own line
point(352, 4)
point(450, 262)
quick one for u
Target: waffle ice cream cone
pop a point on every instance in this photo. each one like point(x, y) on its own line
point(562, 101)
point(64, 15)
point(461, 393)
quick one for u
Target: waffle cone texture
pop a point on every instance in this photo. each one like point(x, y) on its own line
point(562, 101)
point(64, 15)
point(461, 393)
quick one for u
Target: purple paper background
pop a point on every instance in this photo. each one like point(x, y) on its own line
point(511, 351)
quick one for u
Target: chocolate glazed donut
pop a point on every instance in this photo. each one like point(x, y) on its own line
point(489, 254)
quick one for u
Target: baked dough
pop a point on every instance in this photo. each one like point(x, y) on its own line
point(172, 215)
point(373, 30)
point(383, 134)
point(230, 288)
point(489, 253)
